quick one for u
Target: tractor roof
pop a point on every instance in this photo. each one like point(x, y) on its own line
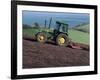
point(61, 22)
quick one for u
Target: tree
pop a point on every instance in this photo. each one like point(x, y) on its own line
point(26, 26)
point(36, 25)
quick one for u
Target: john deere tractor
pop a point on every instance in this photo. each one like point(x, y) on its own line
point(59, 34)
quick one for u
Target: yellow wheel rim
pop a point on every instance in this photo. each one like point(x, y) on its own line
point(61, 40)
point(41, 38)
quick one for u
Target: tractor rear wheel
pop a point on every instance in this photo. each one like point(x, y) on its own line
point(62, 40)
point(41, 37)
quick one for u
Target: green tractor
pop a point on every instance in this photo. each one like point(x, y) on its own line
point(59, 35)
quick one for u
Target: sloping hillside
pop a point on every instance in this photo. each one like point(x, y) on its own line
point(79, 36)
point(83, 28)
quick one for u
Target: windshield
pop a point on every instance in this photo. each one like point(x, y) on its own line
point(63, 28)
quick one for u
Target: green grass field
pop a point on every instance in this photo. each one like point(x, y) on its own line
point(29, 32)
point(76, 36)
point(84, 28)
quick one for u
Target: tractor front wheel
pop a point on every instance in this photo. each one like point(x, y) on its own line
point(41, 37)
point(62, 40)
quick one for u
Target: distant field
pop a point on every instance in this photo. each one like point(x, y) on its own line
point(76, 36)
point(83, 28)
point(29, 32)
point(86, 27)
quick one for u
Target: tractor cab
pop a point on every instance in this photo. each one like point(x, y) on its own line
point(61, 27)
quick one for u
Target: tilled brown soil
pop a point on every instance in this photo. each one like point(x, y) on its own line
point(39, 55)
